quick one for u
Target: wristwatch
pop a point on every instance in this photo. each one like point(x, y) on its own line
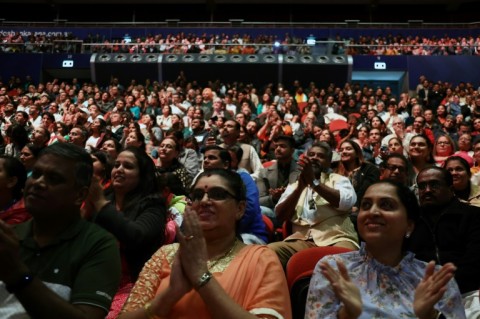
point(204, 279)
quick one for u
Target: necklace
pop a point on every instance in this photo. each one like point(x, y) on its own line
point(211, 264)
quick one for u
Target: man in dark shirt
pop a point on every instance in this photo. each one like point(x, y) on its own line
point(278, 174)
point(448, 230)
point(58, 265)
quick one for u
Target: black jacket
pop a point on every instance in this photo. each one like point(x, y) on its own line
point(454, 238)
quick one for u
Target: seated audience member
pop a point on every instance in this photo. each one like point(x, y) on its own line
point(152, 133)
point(317, 205)
point(98, 133)
point(210, 273)
point(419, 155)
point(40, 136)
point(135, 138)
point(449, 230)
point(353, 166)
point(102, 168)
point(443, 147)
point(187, 156)
point(58, 265)
point(12, 182)
point(394, 146)
point(17, 139)
point(29, 155)
point(200, 133)
point(171, 189)
point(168, 160)
point(251, 226)
point(463, 188)
point(465, 148)
point(116, 125)
point(475, 169)
point(399, 131)
point(78, 136)
point(133, 212)
point(278, 174)
point(359, 284)
point(395, 167)
point(112, 147)
point(250, 160)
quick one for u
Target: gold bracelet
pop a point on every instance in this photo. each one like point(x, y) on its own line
point(148, 311)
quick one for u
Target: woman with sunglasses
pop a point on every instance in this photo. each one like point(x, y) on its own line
point(210, 273)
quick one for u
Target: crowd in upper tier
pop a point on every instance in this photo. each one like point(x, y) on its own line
point(181, 43)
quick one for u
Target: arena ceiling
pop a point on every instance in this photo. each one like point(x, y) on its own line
point(448, 11)
point(316, 2)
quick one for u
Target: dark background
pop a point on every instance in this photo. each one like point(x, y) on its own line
point(373, 11)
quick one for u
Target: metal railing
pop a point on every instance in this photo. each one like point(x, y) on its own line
point(239, 23)
point(321, 47)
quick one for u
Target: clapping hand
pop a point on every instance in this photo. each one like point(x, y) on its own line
point(431, 289)
point(308, 172)
point(193, 248)
point(343, 287)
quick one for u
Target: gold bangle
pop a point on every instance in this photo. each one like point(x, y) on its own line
point(148, 311)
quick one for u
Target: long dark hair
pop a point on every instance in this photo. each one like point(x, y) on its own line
point(147, 185)
point(408, 199)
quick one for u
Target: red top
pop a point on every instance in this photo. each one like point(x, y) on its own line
point(15, 214)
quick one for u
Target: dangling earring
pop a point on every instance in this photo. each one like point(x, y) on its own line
point(407, 235)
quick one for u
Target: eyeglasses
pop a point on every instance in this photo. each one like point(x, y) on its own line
point(214, 193)
point(433, 185)
point(393, 168)
point(443, 143)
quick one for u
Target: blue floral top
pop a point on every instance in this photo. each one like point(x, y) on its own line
point(387, 292)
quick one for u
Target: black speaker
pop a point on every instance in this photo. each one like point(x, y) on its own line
point(321, 69)
point(227, 68)
point(125, 67)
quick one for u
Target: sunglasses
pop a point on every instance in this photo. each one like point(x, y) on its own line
point(214, 193)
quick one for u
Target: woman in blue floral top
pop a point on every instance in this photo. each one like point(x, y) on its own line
point(382, 280)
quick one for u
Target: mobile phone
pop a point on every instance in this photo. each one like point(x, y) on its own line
point(213, 133)
point(384, 149)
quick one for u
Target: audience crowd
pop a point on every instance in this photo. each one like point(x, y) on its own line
point(303, 157)
point(181, 43)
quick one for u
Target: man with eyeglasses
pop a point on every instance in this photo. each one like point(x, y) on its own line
point(448, 230)
point(395, 168)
